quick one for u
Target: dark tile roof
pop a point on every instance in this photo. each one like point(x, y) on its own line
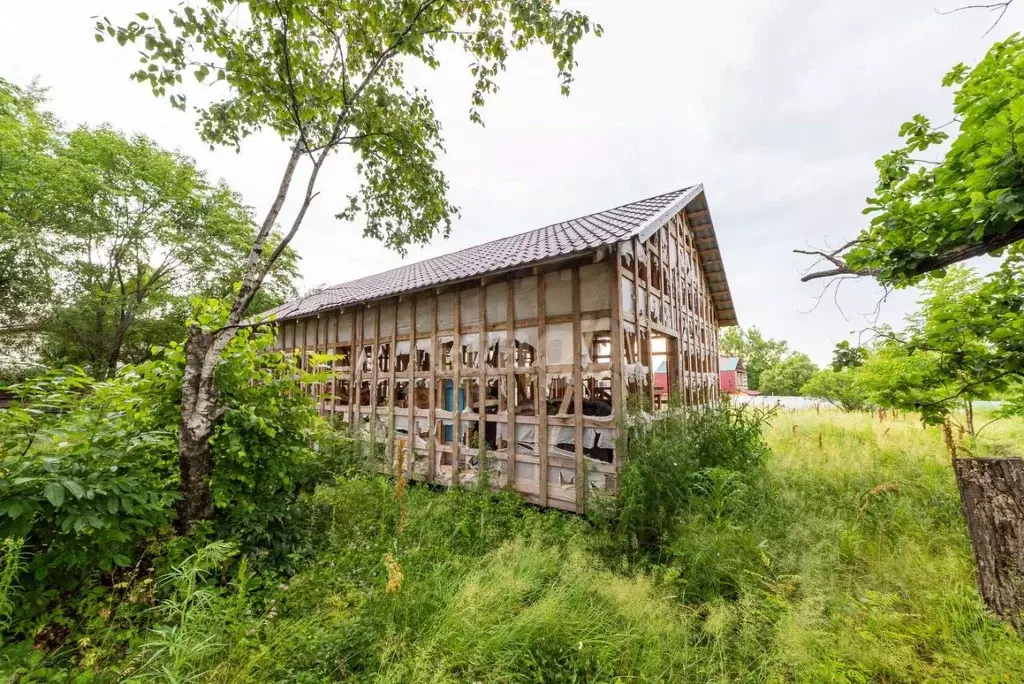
point(543, 244)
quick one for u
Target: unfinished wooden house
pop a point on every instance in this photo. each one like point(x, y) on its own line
point(526, 347)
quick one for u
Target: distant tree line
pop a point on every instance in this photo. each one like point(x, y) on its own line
point(104, 239)
point(772, 367)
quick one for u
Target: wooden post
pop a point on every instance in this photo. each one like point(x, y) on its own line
point(456, 385)
point(992, 499)
point(353, 385)
point(411, 392)
point(482, 384)
point(432, 444)
point(391, 381)
point(577, 377)
point(617, 343)
point(373, 377)
point(647, 324)
point(332, 343)
point(510, 382)
point(542, 389)
point(618, 396)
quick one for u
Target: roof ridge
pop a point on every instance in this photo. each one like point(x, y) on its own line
point(553, 241)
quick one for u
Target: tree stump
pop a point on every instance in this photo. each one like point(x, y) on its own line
point(992, 498)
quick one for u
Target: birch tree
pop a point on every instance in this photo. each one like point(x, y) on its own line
point(324, 75)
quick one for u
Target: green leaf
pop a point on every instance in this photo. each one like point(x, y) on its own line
point(54, 493)
point(76, 489)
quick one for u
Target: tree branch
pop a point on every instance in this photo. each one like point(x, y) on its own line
point(1000, 7)
point(933, 263)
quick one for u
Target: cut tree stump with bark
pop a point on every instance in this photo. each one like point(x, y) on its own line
point(992, 498)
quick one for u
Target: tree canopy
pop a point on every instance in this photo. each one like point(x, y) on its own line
point(928, 215)
point(757, 351)
point(788, 376)
point(110, 236)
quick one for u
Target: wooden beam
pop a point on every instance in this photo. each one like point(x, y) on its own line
point(482, 385)
point(392, 365)
point(411, 392)
point(456, 385)
point(542, 389)
point(577, 376)
point(374, 374)
point(510, 383)
point(647, 323)
point(353, 389)
point(617, 345)
point(432, 444)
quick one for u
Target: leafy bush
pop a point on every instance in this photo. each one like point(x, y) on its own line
point(88, 470)
point(666, 459)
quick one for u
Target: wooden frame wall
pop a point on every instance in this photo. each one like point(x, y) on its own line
point(588, 294)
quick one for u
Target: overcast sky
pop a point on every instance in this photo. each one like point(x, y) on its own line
point(778, 108)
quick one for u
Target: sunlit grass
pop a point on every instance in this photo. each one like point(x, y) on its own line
point(843, 559)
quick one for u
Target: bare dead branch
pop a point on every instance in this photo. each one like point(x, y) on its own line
point(1000, 7)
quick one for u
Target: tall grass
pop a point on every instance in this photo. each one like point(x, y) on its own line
point(840, 556)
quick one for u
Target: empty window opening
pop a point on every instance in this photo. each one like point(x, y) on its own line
point(446, 436)
point(343, 356)
point(641, 270)
point(447, 344)
point(471, 396)
point(495, 352)
point(599, 444)
point(423, 355)
point(526, 394)
point(402, 356)
point(626, 256)
point(344, 392)
point(662, 353)
point(655, 272)
point(401, 393)
point(384, 357)
point(421, 394)
point(525, 352)
point(496, 436)
point(560, 395)
point(495, 396)
point(470, 349)
point(597, 394)
point(596, 345)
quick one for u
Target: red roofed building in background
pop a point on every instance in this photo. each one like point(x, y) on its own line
point(732, 375)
